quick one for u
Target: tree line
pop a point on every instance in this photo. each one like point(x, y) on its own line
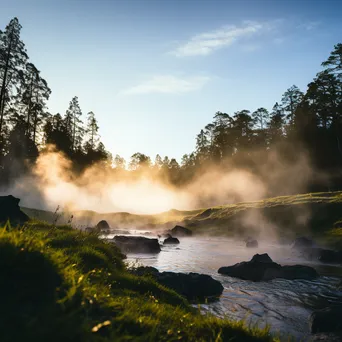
point(309, 121)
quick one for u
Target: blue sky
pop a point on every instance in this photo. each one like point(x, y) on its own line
point(156, 71)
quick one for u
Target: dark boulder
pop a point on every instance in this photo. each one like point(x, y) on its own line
point(330, 256)
point(103, 225)
point(171, 241)
point(323, 255)
point(145, 271)
point(298, 272)
point(262, 268)
point(261, 258)
point(252, 243)
point(180, 231)
point(327, 337)
point(10, 211)
point(326, 320)
point(254, 270)
point(136, 244)
point(193, 286)
point(302, 242)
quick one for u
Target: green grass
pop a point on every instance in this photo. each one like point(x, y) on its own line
point(58, 284)
point(288, 216)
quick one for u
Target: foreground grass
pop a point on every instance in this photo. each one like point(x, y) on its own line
point(59, 284)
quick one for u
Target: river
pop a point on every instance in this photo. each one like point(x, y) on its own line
point(283, 304)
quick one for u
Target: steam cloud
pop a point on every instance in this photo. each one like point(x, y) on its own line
point(52, 183)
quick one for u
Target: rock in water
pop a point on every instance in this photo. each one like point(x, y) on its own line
point(302, 242)
point(261, 258)
point(298, 272)
point(193, 286)
point(252, 243)
point(171, 241)
point(261, 267)
point(10, 210)
point(323, 255)
point(102, 225)
point(326, 320)
point(136, 244)
point(327, 337)
point(180, 231)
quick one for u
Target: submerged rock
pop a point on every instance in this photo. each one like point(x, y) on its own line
point(326, 320)
point(252, 243)
point(261, 268)
point(171, 241)
point(136, 244)
point(10, 211)
point(103, 225)
point(180, 231)
point(193, 286)
point(302, 242)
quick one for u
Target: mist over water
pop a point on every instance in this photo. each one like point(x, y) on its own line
point(52, 182)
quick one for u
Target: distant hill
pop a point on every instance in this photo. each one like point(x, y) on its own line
point(286, 215)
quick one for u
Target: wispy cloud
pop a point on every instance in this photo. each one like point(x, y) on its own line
point(309, 26)
point(168, 84)
point(206, 43)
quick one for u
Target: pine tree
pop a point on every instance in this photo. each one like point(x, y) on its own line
point(13, 58)
point(33, 96)
point(74, 124)
point(92, 130)
point(290, 101)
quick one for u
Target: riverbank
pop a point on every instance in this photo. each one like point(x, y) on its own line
point(285, 217)
point(63, 284)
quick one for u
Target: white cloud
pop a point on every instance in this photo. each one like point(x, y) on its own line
point(168, 84)
point(206, 43)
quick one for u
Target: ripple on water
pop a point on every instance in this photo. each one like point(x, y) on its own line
point(283, 304)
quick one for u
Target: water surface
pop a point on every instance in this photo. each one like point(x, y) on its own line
point(284, 304)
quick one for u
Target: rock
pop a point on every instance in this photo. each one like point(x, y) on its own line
point(136, 244)
point(261, 258)
point(10, 211)
point(298, 272)
point(145, 270)
point(323, 255)
point(102, 225)
point(180, 231)
point(193, 286)
point(252, 243)
point(302, 242)
point(330, 256)
point(327, 337)
point(171, 241)
point(326, 320)
point(261, 268)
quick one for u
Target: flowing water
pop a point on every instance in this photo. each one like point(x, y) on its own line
point(283, 304)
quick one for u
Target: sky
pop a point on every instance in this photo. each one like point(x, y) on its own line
point(155, 71)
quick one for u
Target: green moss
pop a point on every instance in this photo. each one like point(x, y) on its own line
point(63, 285)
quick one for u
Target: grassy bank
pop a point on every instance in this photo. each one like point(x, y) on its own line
point(59, 284)
point(287, 216)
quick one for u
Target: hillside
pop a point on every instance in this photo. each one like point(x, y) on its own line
point(313, 212)
point(305, 213)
